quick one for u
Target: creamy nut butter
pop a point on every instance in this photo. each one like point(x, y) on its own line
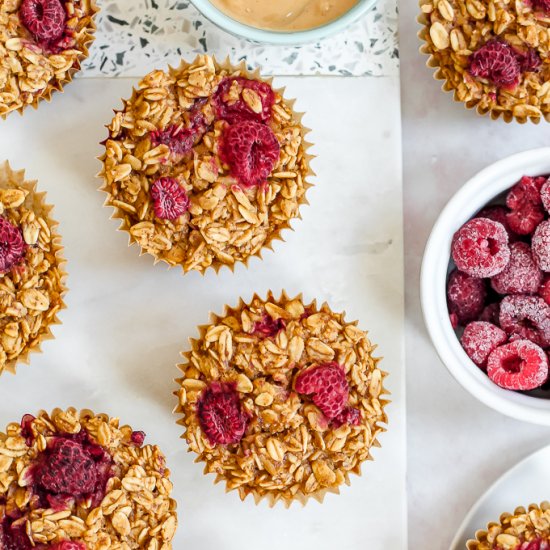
point(284, 15)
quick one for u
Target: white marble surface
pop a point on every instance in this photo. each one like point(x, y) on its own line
point(457, 447)
point(127, 320)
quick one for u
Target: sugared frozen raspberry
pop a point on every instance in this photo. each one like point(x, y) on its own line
point(180, 140)
point(480, 248)
point(519, 365)
point(527, 317)
point(45, 19)
point(521, 275)
point(540, 245)
point(221, 414)
point(328, 387)
point(453, 318)
point(490, 314)
point(170, 199)
point(545, 195)
point(12, 245)
point(268, 326)
point(525, 204)
point(251, 150)
point(465, 296)
point(236, 110)
point(480, 339)
point(496, 62)
point(544, 290)
point(349, 416)
point(498, 214)
point(137, 438)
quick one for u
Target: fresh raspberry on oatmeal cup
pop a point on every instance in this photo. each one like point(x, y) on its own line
point(493, 55)
point(32, 275)
point(80, 481)
point(42, 43)
point(281, 400)
point(205, 165)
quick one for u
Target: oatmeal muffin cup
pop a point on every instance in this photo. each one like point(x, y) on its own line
point(493, 55)
point(78, 481)
point(281, 400)
point(522, 530)
point(42, 43)
point(205, 165)
point(32, 269)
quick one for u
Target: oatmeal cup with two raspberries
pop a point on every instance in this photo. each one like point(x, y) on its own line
point(42, 43)
point(281, 400)
point(32, 275)
point(79, 481)
point(205, 165)
point(493, 55)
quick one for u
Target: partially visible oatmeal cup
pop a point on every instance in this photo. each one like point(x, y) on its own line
point(32, 269)
point(79, 481)
point(281, 400)
point(42, 43)
point(523, 530)
point(205, 165)
point(493, 55)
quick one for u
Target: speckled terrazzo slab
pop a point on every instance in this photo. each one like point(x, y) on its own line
point(136, 36)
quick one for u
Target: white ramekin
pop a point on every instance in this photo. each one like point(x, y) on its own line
point(471, 198)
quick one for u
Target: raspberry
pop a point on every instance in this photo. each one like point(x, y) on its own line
point(535, 544)
point(490, 314)
point(543, 5)
point(239, 110)
point(170, 200)
point(453, 318)
point(524, 201)
point(496, 62)
point(221, 414)
point(480, 339)
point(138, 438)
point(26, 429)
point(328, 386)
point(521, 275)
point(540, 245)
point(544, 290)
point(14, 537)
point(349, 416)
point(527, 317)
point(465, 296)
point(498, 214)
point(68, 545)
point(519, 365)
point(529, 61)
point(45, 19)
point(268, 326)
point(251, 150)
point(545, 195)
point(12, 245)
point(480, 248)
point(180, 140)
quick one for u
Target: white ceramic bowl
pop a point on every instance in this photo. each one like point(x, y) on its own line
point(471, 198)
point(291, 38)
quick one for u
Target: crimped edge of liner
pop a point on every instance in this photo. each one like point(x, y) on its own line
point(217, 265)
point(244, 492)
point(46, 94)
point(481, 534)
point(39, 205)
point(447, 87)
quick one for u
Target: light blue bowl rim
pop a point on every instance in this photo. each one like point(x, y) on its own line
point(206, 8)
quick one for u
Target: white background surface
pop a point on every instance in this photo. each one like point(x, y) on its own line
point(127, 320)
point(457, 447)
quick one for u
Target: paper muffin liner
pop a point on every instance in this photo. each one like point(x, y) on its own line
point(58, 86)
point(510, 528)
point(242, 70)
point(37, 201)
point(482, 110)
point(245, 491)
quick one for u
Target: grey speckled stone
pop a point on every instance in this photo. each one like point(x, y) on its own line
point(136, 36)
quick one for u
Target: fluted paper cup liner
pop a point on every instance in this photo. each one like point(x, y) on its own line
point(242, 413)
point(223, 222)
point(514, 530)
point(32, 289)
point(451, 34)
point(128, 500)
point(28, 87)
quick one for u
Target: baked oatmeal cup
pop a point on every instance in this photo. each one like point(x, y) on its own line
point(79, 481)
point(493, 55)
point(32, 269)
point(281, 400)
point(522, 530)
point(42, 43)
point(205, 165)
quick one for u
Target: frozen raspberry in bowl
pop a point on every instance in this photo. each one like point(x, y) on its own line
point(466, 296)
point(286, 386)
point(522, 274)
point(541, 246)
point(82, 469)
point(218, 178)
